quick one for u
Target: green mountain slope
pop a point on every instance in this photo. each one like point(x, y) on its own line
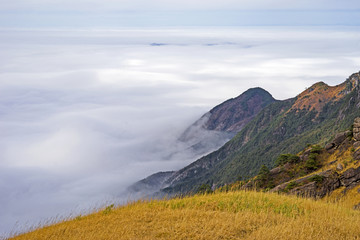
point(314, 116)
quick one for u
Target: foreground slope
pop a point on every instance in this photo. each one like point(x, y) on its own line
point(236, 215)
point(314, 116)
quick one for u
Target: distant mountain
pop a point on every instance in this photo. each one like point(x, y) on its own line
point(232, 115)
point(222, 122)
point(148, 186)
point(286, 126)
point(210, 132)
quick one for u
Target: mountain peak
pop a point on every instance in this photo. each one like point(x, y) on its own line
point(233, 114)
point(255, 90)
point(320, 93)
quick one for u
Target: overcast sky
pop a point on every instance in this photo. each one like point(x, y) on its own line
point(145, 13)
point(165, 5)
point(94, 94)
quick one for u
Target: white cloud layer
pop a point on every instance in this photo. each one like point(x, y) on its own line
point(86, 113)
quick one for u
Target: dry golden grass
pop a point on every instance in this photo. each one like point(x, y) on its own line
point(233, 215)
point(348, 200)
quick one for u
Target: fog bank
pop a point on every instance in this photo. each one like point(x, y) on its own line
point(84, 114)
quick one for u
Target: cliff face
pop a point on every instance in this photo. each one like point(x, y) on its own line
point(314, 116)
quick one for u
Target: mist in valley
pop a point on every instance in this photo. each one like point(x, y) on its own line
point(85, 114)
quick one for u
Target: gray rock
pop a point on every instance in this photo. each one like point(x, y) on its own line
point(356, 154)
point(356, 129)
point(275, 171)
point(357, 122)
point(313, 189)
point(318, 190)
point(350, 177)
point(356, 144)
point(329, 146)
point(340, 137)
point(306, 190)
point(339, 167)
point(356, 136)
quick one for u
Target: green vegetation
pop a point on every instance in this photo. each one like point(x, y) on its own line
point(316, 178)
point(291, 185)
point(275, 130)
point(264, 179)
point(286, 158)
point(312, 163)
point(108, 209)
point(205, 189)
point(316, 149)
point(264, 173)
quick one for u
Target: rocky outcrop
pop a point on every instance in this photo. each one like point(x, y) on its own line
point(350, 177)
point(356, 136)
point(338, 140)
point(288, 178)
point(339, 167)
point(341, 137)
point(356, 129)
point(321, 184)
point(315, 185)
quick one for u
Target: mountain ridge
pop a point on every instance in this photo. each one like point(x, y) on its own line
point(277, 128)
point(210, 132)
point(232, 118)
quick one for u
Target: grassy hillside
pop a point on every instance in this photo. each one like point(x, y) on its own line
point(233, 215)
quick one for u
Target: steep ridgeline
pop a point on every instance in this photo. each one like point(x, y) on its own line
point(226, 119)
point(235, 113)
point(286, 126)
point(210, 132)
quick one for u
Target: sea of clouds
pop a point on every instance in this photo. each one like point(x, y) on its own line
point(86, 113)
